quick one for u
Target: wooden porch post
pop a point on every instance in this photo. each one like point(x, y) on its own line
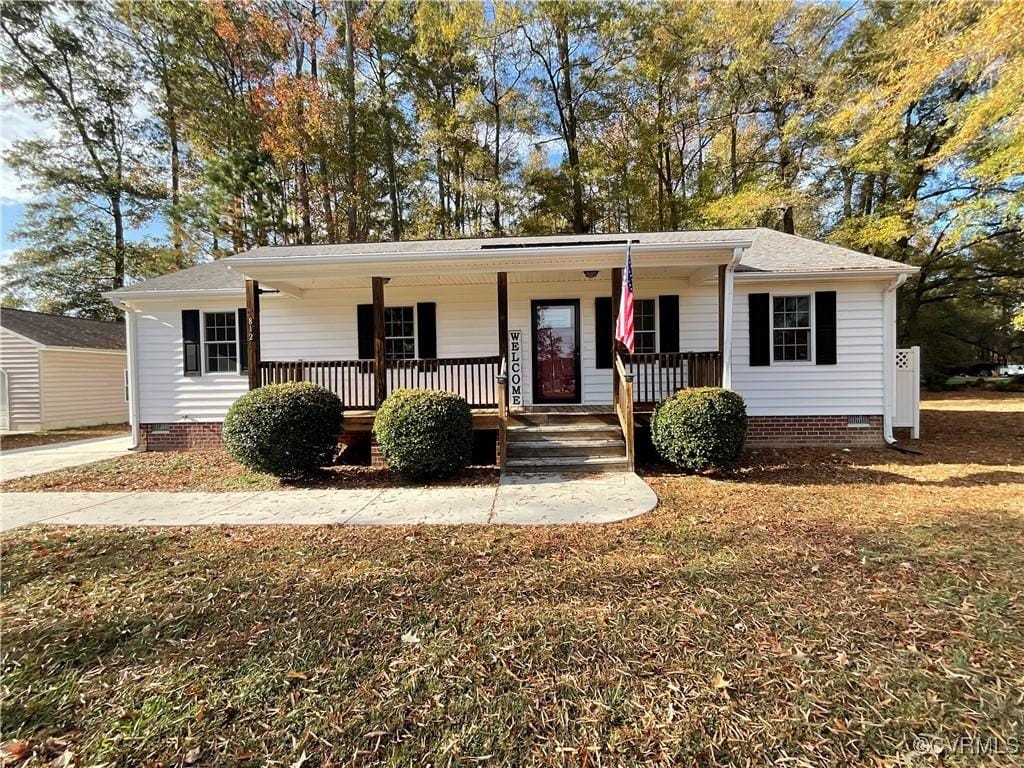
point(252, 331)
point(721, 322)
point(379, 372)
point(503, 316)
point(616, 298)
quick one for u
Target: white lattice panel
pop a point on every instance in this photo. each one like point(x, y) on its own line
point(907, 394)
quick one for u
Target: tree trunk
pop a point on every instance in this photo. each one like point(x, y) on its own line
point(307, 221)
point(848, 178)
point(119, 246)
point(177, 237)
point(496, 211)
point(734, 175)
point(350, 100)
point(571, 128)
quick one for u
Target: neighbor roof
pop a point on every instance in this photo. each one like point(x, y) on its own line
point(61, 331)
point(769, 251)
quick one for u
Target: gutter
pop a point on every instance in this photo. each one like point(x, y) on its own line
point(124, 294)
point(486, 255)
point(132, 349)
point(830, 274)
point(889, 356)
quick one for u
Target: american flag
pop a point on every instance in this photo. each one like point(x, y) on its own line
point(624, 326)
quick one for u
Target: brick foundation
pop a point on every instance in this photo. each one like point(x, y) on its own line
point(377, 460)
point(182, 436)
point(762, 432)
point(799, 431)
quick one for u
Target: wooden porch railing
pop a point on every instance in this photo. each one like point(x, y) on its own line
point(657, 375)
point(624, 410)
point(501, 388)
point(475, 378)
point(351, 380)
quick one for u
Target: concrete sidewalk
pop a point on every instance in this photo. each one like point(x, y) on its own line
point(516, 500)
point(37, 459)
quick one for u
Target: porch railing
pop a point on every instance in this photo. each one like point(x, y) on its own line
point(623, 401)
point(657, 375)
point(475, 378)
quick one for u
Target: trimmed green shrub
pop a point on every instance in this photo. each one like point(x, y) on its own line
point(700, 429)
point(424, 434)
point(287, 430)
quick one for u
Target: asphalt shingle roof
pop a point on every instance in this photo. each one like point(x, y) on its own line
point(60, 331)
point(770, 251)
point(211, 276)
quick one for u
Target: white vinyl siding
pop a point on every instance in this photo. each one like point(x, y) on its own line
point(165, 393)
point(20, 358)
point(321, 325)
point(853, 386)
point(81, 388)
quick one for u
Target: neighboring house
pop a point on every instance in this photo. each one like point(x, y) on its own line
point(58, 372)
point(805, 331)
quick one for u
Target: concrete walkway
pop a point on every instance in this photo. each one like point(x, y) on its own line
point(516, 500)
point(37, 459)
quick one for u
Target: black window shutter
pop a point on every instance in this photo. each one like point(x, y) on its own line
point(668, 323)
point(825, 327)
point(603, 331)
point(243, 339)
point(426, 329)
point(190, 341)
point(364, 324)
point(760, 329)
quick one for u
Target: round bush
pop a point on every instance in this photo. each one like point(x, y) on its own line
point(701, 429)
point(287, 430)
point(424, 434)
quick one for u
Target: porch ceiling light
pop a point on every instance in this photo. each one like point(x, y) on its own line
point(590, 274)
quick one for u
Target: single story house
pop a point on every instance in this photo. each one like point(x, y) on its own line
point(522, 327)
point(58, 372)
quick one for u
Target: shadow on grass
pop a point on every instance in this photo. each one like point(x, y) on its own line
point(143, 643)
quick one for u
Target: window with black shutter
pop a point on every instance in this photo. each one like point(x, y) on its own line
point(603, 331)
point(190, 342)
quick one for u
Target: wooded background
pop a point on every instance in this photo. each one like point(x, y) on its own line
point(892, 128)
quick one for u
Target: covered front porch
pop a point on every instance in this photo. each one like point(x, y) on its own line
point(518, 329)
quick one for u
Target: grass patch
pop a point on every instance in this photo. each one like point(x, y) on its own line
point(816, 608)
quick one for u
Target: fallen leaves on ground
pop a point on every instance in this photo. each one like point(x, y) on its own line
point(49, 437)
point(817, 608)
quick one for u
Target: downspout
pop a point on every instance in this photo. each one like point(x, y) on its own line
point(889, 356)
point(131, 342)
point(730, 269)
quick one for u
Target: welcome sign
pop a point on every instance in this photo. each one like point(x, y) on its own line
point(515, 367)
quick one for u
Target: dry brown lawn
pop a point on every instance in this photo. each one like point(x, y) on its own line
point(818, 608)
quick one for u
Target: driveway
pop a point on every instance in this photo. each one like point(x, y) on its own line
point(23, 462)
point(516, 500)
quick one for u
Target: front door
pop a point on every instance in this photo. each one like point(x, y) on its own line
point(556, 351)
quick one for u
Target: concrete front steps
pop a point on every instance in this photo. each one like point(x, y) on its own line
point(565, 441)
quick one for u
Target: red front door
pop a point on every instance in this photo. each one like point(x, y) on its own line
point(556, 351)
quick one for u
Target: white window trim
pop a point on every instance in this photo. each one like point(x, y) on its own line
point(415, 331)
point(811, 340)
point(202, 343)
point(657, 323)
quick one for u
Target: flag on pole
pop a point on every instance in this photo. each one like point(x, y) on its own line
point(624, 326)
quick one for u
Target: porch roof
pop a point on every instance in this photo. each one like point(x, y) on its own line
point(764, 252)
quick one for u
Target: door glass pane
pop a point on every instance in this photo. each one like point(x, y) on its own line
point(555, 344)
